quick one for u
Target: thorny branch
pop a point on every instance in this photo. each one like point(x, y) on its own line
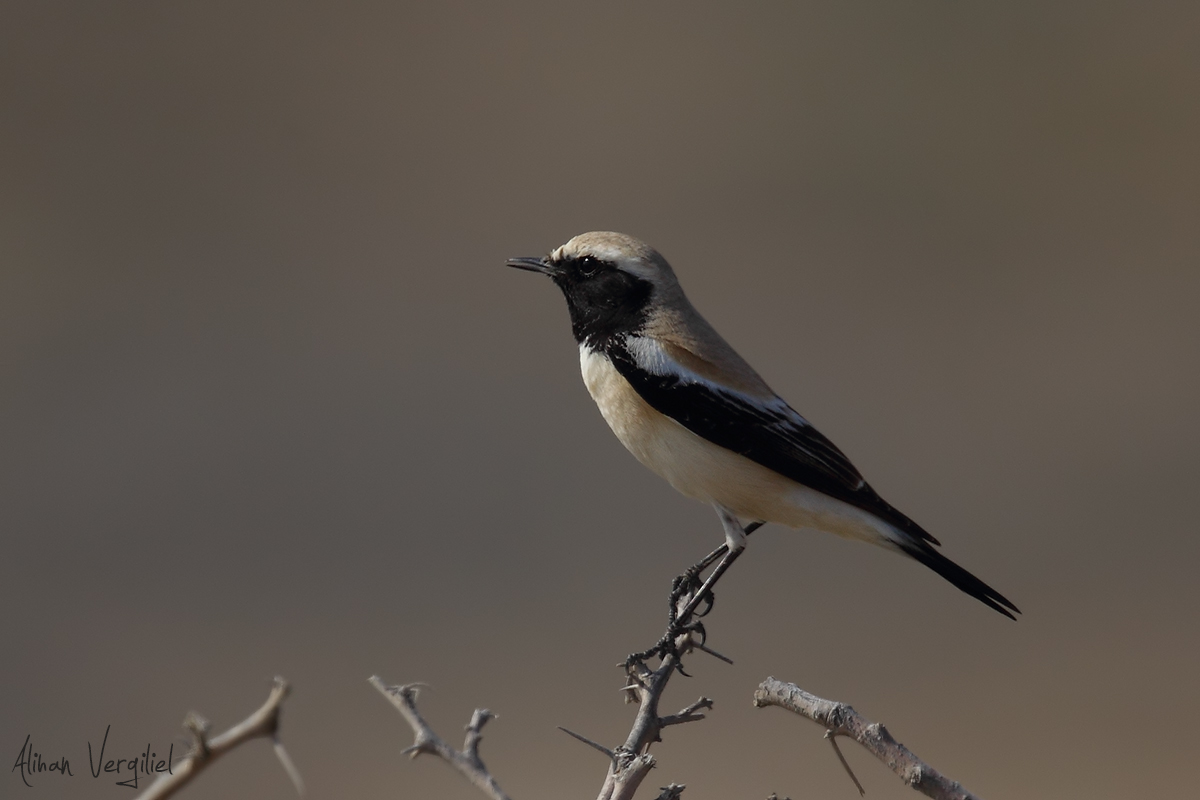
point(839, 719)
point(630, 762)
point(645, 686)
point(466, 761)
point(263, 722)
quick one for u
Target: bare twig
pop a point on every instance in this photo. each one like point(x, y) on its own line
point(467, 761)
point(263, 722)
point(688, 714)
point(842, 720)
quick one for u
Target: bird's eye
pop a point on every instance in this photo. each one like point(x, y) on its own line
point(588, 266)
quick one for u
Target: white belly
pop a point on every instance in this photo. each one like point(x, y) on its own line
point(710, 473)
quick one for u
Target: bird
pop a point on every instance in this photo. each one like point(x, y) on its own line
point(692, 410)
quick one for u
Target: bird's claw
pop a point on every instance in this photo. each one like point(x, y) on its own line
point(683, 589)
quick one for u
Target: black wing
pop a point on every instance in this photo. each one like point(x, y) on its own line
point(778, 438)
point(775, 436)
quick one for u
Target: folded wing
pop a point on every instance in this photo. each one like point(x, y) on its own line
point(768, 432)
point(771, 433)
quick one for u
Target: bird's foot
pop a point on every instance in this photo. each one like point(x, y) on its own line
point(659, 650)
point(678, 640)
point(683, 588)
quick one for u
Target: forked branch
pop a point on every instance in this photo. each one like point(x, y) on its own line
point(466, 761)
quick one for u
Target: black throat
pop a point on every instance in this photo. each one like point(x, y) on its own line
point(606, 305)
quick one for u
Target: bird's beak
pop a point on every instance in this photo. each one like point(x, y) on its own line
point(532, 264)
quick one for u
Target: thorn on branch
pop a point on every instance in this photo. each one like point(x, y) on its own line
point(832, 737)
point(705, 649)
point(288, 765)
point(611, 755)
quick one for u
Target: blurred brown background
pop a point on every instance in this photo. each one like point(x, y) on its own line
point(272, 404)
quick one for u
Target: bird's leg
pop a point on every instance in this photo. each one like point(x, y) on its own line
point(735, 534)
point(735, 543)
point(687, 584)
point(709, 559)
point(689, 590)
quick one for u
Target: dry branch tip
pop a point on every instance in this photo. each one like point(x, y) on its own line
point(205, 750)
point(841, 720)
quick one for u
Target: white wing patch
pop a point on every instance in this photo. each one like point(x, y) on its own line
point(651, 357)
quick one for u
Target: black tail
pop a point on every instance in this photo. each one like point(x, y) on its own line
point(924, 552)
